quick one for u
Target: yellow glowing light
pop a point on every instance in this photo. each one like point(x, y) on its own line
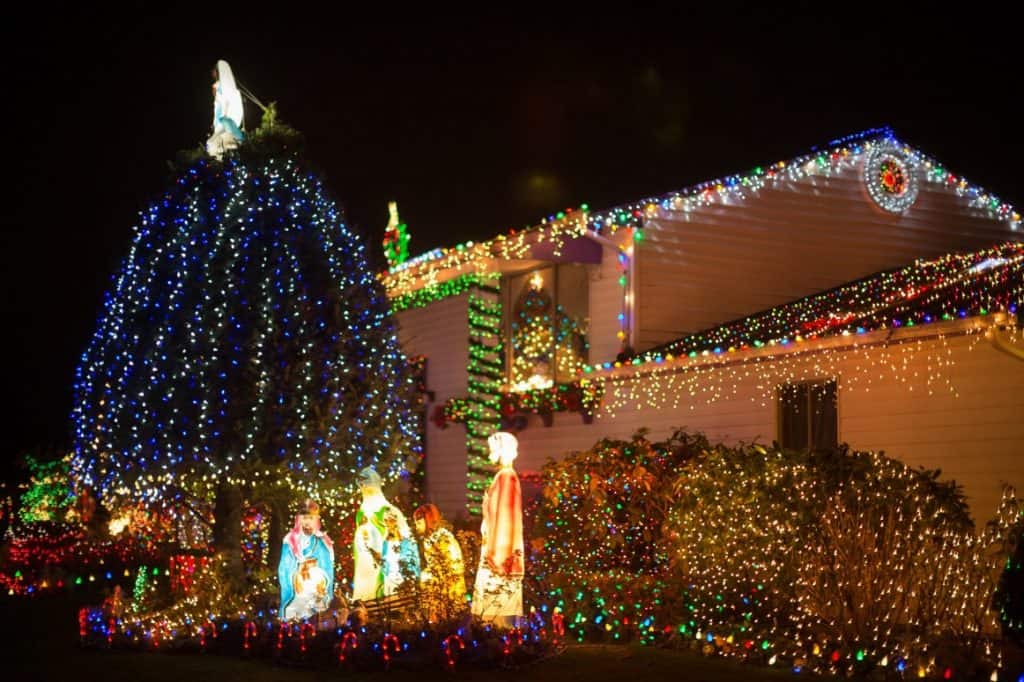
point(535, 382)
point(119, 523)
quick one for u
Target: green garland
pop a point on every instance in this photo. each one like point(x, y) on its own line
point(436, 292)
point(481, 410)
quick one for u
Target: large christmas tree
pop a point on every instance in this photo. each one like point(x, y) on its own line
point(245, 352)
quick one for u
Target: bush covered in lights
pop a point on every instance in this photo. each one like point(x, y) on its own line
point(839, 561)
point(48, 495)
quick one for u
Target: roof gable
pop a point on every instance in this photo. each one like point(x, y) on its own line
point(559, 229)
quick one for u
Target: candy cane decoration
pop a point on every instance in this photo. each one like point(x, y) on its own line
point(349, 642)
point(280, 635)
point(557, 626)
point(250, 633)
point(110, 631)
point(83, 622)
point(514, 635)
point(303, 629)
point(155, 634)
point(449, 647)
point(396, 646)
point(202, 633)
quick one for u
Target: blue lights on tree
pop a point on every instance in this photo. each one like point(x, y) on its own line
point(244, 350)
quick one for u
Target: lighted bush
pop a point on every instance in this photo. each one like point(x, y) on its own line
point(841, 561)
point(738, 519)
point(598, 552)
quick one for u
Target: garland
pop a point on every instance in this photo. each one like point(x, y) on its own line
point(421, 298)
point(481, 410)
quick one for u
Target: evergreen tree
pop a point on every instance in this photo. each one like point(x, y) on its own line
point(546, 341)
point(245, 352)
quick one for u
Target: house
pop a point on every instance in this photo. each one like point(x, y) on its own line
point(563, 332)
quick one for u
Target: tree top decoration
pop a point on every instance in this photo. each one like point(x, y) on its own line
point(396, 238)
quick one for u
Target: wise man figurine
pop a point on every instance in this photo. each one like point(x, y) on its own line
point(306, 570)
point(498, 592)
point(228, 112)
point(381, 529)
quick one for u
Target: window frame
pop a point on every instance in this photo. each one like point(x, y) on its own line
point(508, 303)
point(780, 411)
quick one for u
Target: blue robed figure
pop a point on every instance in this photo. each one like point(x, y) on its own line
point(306, 570)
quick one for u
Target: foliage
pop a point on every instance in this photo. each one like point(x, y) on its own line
point(834, 561)
point(1010, 595)
point(273, 135)
point(603, 508)
point(49, 496)
point(245, 344)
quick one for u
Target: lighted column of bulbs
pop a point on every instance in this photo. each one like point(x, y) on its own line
point(485, 369)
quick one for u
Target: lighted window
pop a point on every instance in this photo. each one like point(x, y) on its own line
point(546, 326)
point(808, 415)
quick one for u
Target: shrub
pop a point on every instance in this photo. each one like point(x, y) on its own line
point(840, 561)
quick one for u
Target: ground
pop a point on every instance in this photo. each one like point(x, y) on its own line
point(40, 638)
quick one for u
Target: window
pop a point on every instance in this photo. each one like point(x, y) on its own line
point(808, 417)
point(546, 326)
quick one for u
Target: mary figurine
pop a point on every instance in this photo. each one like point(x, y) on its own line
point(228, 113)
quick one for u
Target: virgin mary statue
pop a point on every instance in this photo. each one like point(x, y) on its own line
point(228, 113)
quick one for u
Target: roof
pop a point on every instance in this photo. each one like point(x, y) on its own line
point(564, 226)
point(956, 285)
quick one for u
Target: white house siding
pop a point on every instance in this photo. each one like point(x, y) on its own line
point(439, 331)
point(976, 437)
point(723, 262)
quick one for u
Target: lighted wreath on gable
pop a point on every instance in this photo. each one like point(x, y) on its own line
point(890, 176)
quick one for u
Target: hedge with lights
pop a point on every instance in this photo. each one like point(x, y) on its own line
point(841, 562)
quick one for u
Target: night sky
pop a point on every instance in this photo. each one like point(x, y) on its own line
point(473, 127)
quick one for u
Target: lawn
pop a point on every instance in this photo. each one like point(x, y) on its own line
point(40, 636)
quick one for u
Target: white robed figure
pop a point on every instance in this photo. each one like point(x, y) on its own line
point(228, 112)
point(498, 592)
point(382, 544)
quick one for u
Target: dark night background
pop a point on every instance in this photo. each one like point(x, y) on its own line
point(473, 127)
